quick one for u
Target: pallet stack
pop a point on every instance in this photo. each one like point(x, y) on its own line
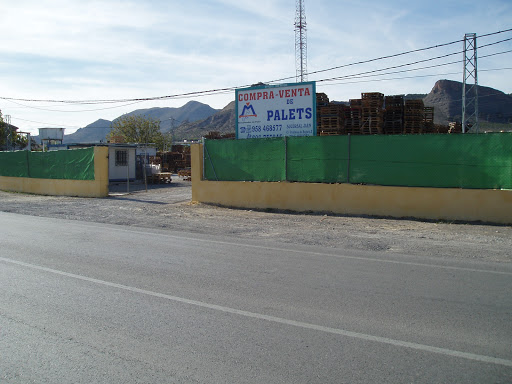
point(414, 116)
point(215, 135)
point(394, 115)
point(322, 100)
point(331, 120)
point(353, 117)
point(174, 160)
point(373, 113)
point(429, 120)
point(439, 128)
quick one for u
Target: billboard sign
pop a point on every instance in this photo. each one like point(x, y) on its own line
point(276, 111)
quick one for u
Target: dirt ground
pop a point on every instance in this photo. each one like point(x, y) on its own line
point(168, 206)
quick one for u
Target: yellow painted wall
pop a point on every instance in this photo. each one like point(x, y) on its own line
point(424, 203)
point(83, 188)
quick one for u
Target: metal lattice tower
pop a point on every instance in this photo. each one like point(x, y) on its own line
point(470, 85)
point(301, 47)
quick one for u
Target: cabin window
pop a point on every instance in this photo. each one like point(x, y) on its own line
point(121, 157)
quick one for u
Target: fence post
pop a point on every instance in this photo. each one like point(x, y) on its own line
point(28, 163)
point(285, 158)
point(211, 163)
point(203, 141)
point(348, 161)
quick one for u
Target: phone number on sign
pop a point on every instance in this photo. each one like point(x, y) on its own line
point(273, 128)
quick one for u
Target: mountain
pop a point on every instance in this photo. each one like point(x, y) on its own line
point(194, 120)
point(222, 122)
point(93, 133)
point(446, 97)
point(170, 118)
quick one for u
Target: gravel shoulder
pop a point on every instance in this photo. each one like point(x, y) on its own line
point(169, 206)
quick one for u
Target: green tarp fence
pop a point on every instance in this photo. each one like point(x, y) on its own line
point(479, 161)
point(76, 164)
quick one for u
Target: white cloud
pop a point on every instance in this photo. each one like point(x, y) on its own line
point(70, 49)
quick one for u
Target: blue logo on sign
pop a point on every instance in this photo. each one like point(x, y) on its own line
point(248, 111)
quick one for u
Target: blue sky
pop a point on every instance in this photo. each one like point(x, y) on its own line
point(90, 50)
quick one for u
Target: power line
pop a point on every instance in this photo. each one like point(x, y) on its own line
point(482, 97)
point(364, 75)
point(64, 111)
point(399, 54)
point(404, 77)
point(495, 33)
point(414, 63)
point(229, 89)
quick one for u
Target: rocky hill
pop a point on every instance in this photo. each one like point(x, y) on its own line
point(170, 119)
point(93, 133)
point(194, 119)
point(222, 121)
point(446, 97)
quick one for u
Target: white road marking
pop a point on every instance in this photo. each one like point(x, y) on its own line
point(274, 319)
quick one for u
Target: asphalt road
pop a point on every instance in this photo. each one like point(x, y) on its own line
point(100, 303)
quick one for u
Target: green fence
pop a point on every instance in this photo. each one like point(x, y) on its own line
point(482, 161)
point(77, 164)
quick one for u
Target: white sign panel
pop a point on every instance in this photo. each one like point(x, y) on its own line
point(276, 111)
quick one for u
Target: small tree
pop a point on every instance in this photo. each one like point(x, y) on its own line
point(137, 129)
point(164, 142)
point(3, 131)
point(8, 135)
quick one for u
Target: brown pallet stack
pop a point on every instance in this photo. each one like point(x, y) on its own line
point(321, 101)
point(394, 115)
point(373, 115)
point(353, 117)
point(439, 128)
point(429, 120)
point(414, 116)
point(212, 135)
point(331, 120)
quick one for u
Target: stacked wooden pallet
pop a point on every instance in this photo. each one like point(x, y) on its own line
point(186, 174)
point(414, 116)
point(331, 120)
point(373, 113)
point(439, 128)
point(429, 120)
point(353, 117)
point(394, 115)
point(322, 100)
point(215, 135)
point(159, 178)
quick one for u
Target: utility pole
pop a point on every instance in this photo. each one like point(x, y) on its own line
point(470, 85)
point(301, 48)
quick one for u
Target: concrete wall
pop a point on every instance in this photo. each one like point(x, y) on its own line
point(83, 188)
point(424, 203)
